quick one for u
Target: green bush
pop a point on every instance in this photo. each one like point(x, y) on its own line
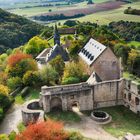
point(71, 80)
point(14, 82)
point(75, 136)
point(5, 102)
point(21, 127)
point(85, 78)
point(30, 78)
point(1, 114)
point(12, 135)
point(4, 137)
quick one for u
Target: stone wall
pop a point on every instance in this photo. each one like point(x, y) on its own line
point(83, 95)
point(107, 66)
point(131, 96)
point(70, 95)
point(109, 93)
point(31, 112)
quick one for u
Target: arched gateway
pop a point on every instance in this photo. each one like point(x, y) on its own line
point(55, 103)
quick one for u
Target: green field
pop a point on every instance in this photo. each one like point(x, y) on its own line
point(28, 12)
point(113, 15)
point(100, 17)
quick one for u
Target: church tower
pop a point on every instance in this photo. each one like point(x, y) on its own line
point(56, 36)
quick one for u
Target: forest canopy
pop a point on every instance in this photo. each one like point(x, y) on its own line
point(16, 30)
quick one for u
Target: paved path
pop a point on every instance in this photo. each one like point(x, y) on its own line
point(11, 120)
point(88, 128)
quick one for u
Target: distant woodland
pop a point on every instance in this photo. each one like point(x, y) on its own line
point(16, 30)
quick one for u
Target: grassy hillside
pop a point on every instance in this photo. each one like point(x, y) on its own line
point(15, 30)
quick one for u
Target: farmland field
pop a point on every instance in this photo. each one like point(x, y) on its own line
point(102, 15)
point(42, 10)
point(106, 17)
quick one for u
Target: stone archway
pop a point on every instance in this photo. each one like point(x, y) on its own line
point(56, 103)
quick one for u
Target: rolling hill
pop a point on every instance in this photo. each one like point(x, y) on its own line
point(15, 30)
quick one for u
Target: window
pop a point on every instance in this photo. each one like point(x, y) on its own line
point(129, 85)
point(85, 52)
point(137, 101)
point(129, 96)
point(89, 55)
point(72, 97)
point(82, 50)
point(124, 96)
point(91, 58)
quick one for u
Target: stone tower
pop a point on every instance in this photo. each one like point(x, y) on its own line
point(56, 36)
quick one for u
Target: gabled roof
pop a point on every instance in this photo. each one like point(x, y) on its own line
point(57, 50)
point(43, 53)
point(91, 51)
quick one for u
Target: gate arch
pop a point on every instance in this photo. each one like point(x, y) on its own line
point(55, 103)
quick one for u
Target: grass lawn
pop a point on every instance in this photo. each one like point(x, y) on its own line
point(33, 94)
point(123, 121)
point(67, 116)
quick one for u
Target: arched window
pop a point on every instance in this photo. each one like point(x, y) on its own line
point(91, 58)
point(85, 52)
point(89, 55)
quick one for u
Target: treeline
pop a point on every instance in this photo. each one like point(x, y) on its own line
point(43, 5)
point(129, 31)
point(56, 17)
point(16, 30)
point(131, 11)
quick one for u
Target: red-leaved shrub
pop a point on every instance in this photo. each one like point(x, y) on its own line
point(17, 57)
point(49, 130)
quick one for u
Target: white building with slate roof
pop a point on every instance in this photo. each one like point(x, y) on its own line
point(100, 61)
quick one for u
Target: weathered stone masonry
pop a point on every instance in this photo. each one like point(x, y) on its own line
point(83, 95)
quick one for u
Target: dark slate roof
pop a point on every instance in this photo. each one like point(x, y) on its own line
point(57, 50)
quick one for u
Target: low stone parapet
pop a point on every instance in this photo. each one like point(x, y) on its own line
point(31, 112)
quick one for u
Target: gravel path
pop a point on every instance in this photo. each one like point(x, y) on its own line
point(11, 120)
point(88, 128)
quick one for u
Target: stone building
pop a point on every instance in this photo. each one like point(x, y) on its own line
point(48, 54)
point(100, 61)
point(131, 96)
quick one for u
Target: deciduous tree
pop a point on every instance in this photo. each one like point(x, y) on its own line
point(49, 130)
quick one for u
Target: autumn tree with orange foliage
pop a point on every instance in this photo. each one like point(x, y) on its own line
point(17, 57)
point(19, 63)
point(49, 130)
